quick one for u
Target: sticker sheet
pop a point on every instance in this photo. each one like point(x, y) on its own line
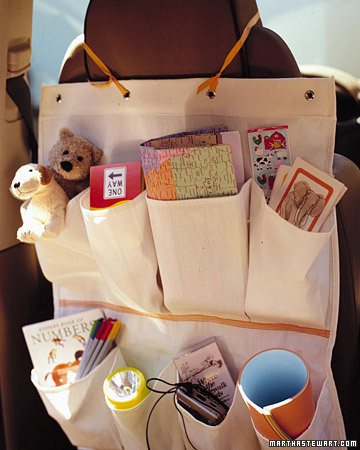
point(269, 149)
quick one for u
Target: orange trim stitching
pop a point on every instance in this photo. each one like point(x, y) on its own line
point(200, 318)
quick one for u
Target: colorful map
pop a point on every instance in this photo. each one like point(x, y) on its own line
point(188, 172)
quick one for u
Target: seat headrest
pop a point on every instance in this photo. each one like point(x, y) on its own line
point(173, 39)
point(142, 38)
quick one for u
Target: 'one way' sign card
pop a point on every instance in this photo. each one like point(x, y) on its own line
point(113, 184)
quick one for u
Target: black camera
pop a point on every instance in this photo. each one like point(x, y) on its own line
point(201, 404)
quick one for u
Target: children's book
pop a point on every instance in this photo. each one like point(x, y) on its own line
point(305, 195)
point(56, 346)
point(201, 136)
point(205, 365)
point(232, 138)
point(194, 164)
point(114, 184)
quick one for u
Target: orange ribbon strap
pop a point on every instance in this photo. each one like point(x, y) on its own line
point(213, 81)
point(107, 72)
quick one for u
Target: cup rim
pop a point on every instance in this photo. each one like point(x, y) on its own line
point(274, 405)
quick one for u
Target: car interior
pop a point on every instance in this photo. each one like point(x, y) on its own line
point(160, 51)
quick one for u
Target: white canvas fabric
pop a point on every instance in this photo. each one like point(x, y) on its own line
point(289, 277)
point(228, 267)
point(165, 335)
point(80, 407)
point(123, 247)
point(195, 240)
point(164, 430)
point(74, 257)
point(233, 431)
point(316, 430)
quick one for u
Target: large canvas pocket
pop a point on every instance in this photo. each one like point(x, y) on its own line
point(163, 427)
point(233, 433)
point(122, 244)
point(289, 269)
point(69, 255)
point(202, 250)
point(322, 427)
point(80, 408)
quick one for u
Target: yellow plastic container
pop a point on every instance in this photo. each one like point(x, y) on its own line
point(125, 388)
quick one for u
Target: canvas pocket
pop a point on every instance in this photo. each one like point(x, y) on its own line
point(289, 269)
point(69, 255)
point(80, 408)
point(322, 427)
point(163, 428)
point(202, 250)
point(236, 428)
point(123, 247)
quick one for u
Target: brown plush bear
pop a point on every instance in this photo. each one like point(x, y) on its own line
point(70, 160)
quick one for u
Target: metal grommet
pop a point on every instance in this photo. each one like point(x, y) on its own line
point(127, 95)
point(211, 94)
point(58, 98)
point(309, 95)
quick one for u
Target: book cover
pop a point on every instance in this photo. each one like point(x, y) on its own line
point(201, 136)
point(56, 346)
point(205, 365)
point(114, 184)
point(188, 172)
point(193, 164)
point(233, 139)
point(306, 196)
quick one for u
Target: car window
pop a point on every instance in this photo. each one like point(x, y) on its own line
point(317, 31)
point(55, 24)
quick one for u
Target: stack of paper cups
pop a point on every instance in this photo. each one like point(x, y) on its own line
point(275, 385)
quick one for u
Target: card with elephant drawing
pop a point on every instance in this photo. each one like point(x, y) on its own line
point(269, 150)
point(304, 195)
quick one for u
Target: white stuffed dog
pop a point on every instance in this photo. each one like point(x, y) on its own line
point(43, 212)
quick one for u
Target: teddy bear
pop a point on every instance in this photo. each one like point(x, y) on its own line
point(70, 160)
point(43, 211)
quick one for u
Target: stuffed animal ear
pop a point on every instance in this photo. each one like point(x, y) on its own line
point(46, 175)
point(65, 133)
point(96, 153)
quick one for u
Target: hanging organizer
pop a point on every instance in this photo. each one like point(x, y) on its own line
point(229, 267)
